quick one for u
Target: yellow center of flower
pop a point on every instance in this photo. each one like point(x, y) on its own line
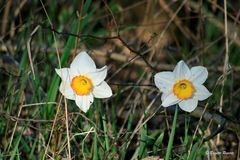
point(81, 85)
point(183, 89)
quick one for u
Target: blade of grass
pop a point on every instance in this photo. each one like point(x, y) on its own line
point(31, 155)
point(114, 127)
point(104, 121)
point(129, 126)
point(186, 137)
point(95, 147)
point(194, 151)
point(170, 143)
point(86, 6)
point(143, 141)
point(17, 140)
point(157, 143)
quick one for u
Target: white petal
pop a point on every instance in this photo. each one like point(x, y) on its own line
point(98, 76)
point(199, 74)
point(84, 102)
point(188, 105)
point(169, 100)
point(201, 93)
point(83, 63)
point(164, 95)
point(67, 90)
point(63, 73)
point(164, 81)
point(181, 71)
point(73, 72)
point(102, 91)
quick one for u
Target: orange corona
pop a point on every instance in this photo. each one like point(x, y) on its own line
point(183, 89)
point(82, 85)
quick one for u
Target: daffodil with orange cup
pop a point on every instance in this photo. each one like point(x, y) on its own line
point(183, 86)
point(83, 81)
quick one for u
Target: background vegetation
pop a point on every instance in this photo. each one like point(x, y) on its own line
point(136, 39)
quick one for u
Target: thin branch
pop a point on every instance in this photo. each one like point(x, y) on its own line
point(218, 118)
point(81, 36)
point(53, 125)
point(67, 127)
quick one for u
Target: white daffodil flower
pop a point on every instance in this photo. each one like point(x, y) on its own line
point(83, 81)
point(183, 86)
